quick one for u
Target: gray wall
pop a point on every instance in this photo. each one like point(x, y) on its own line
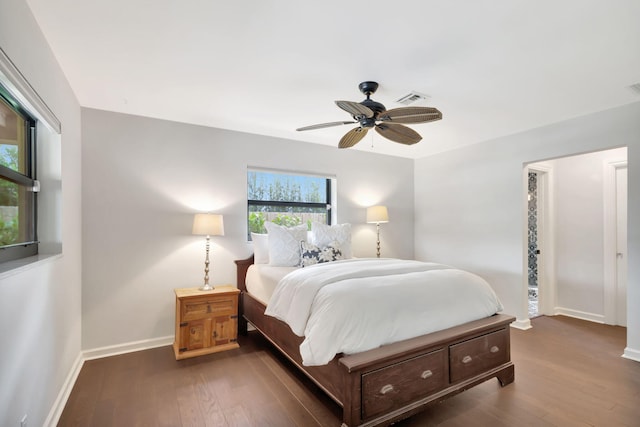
point(470, 203)
point(143, 179)
point(40, 313)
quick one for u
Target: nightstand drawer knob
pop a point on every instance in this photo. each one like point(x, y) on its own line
point(466, 359)
point(494, 349)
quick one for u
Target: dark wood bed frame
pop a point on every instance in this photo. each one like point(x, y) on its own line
point(392, 382)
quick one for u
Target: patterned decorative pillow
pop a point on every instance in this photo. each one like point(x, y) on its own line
point(324, 235)
point(284, 244)
point(311, 254)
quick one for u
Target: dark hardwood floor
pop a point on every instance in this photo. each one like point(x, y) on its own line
point(568, 373)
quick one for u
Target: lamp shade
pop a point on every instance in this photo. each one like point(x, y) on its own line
point(208, 224)
point(377, 214)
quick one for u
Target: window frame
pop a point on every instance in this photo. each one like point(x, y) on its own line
point(328, 205)
point(28, 181)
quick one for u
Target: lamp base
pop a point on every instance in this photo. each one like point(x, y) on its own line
point(206, 287)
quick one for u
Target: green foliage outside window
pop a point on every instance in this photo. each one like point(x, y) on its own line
point(287, 221)
point(8, 190)
point(8, 232)
point(257, 220)
point(8, 198)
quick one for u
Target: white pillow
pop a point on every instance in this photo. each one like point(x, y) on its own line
point(260, 248)
point(325, 235)
point(284, 244)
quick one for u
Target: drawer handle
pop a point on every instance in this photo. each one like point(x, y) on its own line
point(426, 374)
point(208, 308)
point(386, 389)
point(466, 359)
point(494, 349)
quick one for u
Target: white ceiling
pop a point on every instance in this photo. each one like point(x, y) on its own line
point(493, 67)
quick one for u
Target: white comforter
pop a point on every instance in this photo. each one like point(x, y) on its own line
point(355, 305)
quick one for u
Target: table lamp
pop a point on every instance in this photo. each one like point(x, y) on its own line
point(206, 224)
point(378, 215)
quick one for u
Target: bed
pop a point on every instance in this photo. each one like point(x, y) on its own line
point(394, 381)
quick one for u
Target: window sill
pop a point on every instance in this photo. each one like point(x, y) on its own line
point(18, 266)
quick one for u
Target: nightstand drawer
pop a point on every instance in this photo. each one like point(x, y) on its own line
point(204, 308)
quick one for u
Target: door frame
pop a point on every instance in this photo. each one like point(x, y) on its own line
point(546, 264)
point(610, 240)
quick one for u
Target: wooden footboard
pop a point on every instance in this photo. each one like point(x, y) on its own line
point(387, 384)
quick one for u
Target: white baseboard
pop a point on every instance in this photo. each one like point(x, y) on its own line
point(523, 324)
point(114, 350)
point(65, 392)
point(583, 315)
point(631, 354)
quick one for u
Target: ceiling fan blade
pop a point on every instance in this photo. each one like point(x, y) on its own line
point(411, 115)
point(324, 125)
point(398, 133)
point(355, 109)
point(352, 137)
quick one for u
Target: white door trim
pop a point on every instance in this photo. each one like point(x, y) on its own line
point(546, 239)
point(546, 264)
point(610, 240)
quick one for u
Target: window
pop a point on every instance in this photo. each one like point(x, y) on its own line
point(287, 199)
point(18, 231)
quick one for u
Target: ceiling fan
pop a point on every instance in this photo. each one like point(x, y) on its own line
point(388, 123)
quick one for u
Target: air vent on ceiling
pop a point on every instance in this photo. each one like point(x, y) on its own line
point(411, 98)
point(636, 88)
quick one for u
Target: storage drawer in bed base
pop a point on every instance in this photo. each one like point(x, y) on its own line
point(394, 392)
point(405, 384)
point(354, 380)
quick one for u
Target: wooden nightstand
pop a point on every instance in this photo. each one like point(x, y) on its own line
point(206, 321)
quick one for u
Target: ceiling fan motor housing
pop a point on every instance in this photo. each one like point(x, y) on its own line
point(374, 106)
point(367, 122)
point(368, 87)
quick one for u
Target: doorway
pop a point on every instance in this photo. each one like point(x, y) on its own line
point(539, 237)
point(565, 199)
point(532, 244)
